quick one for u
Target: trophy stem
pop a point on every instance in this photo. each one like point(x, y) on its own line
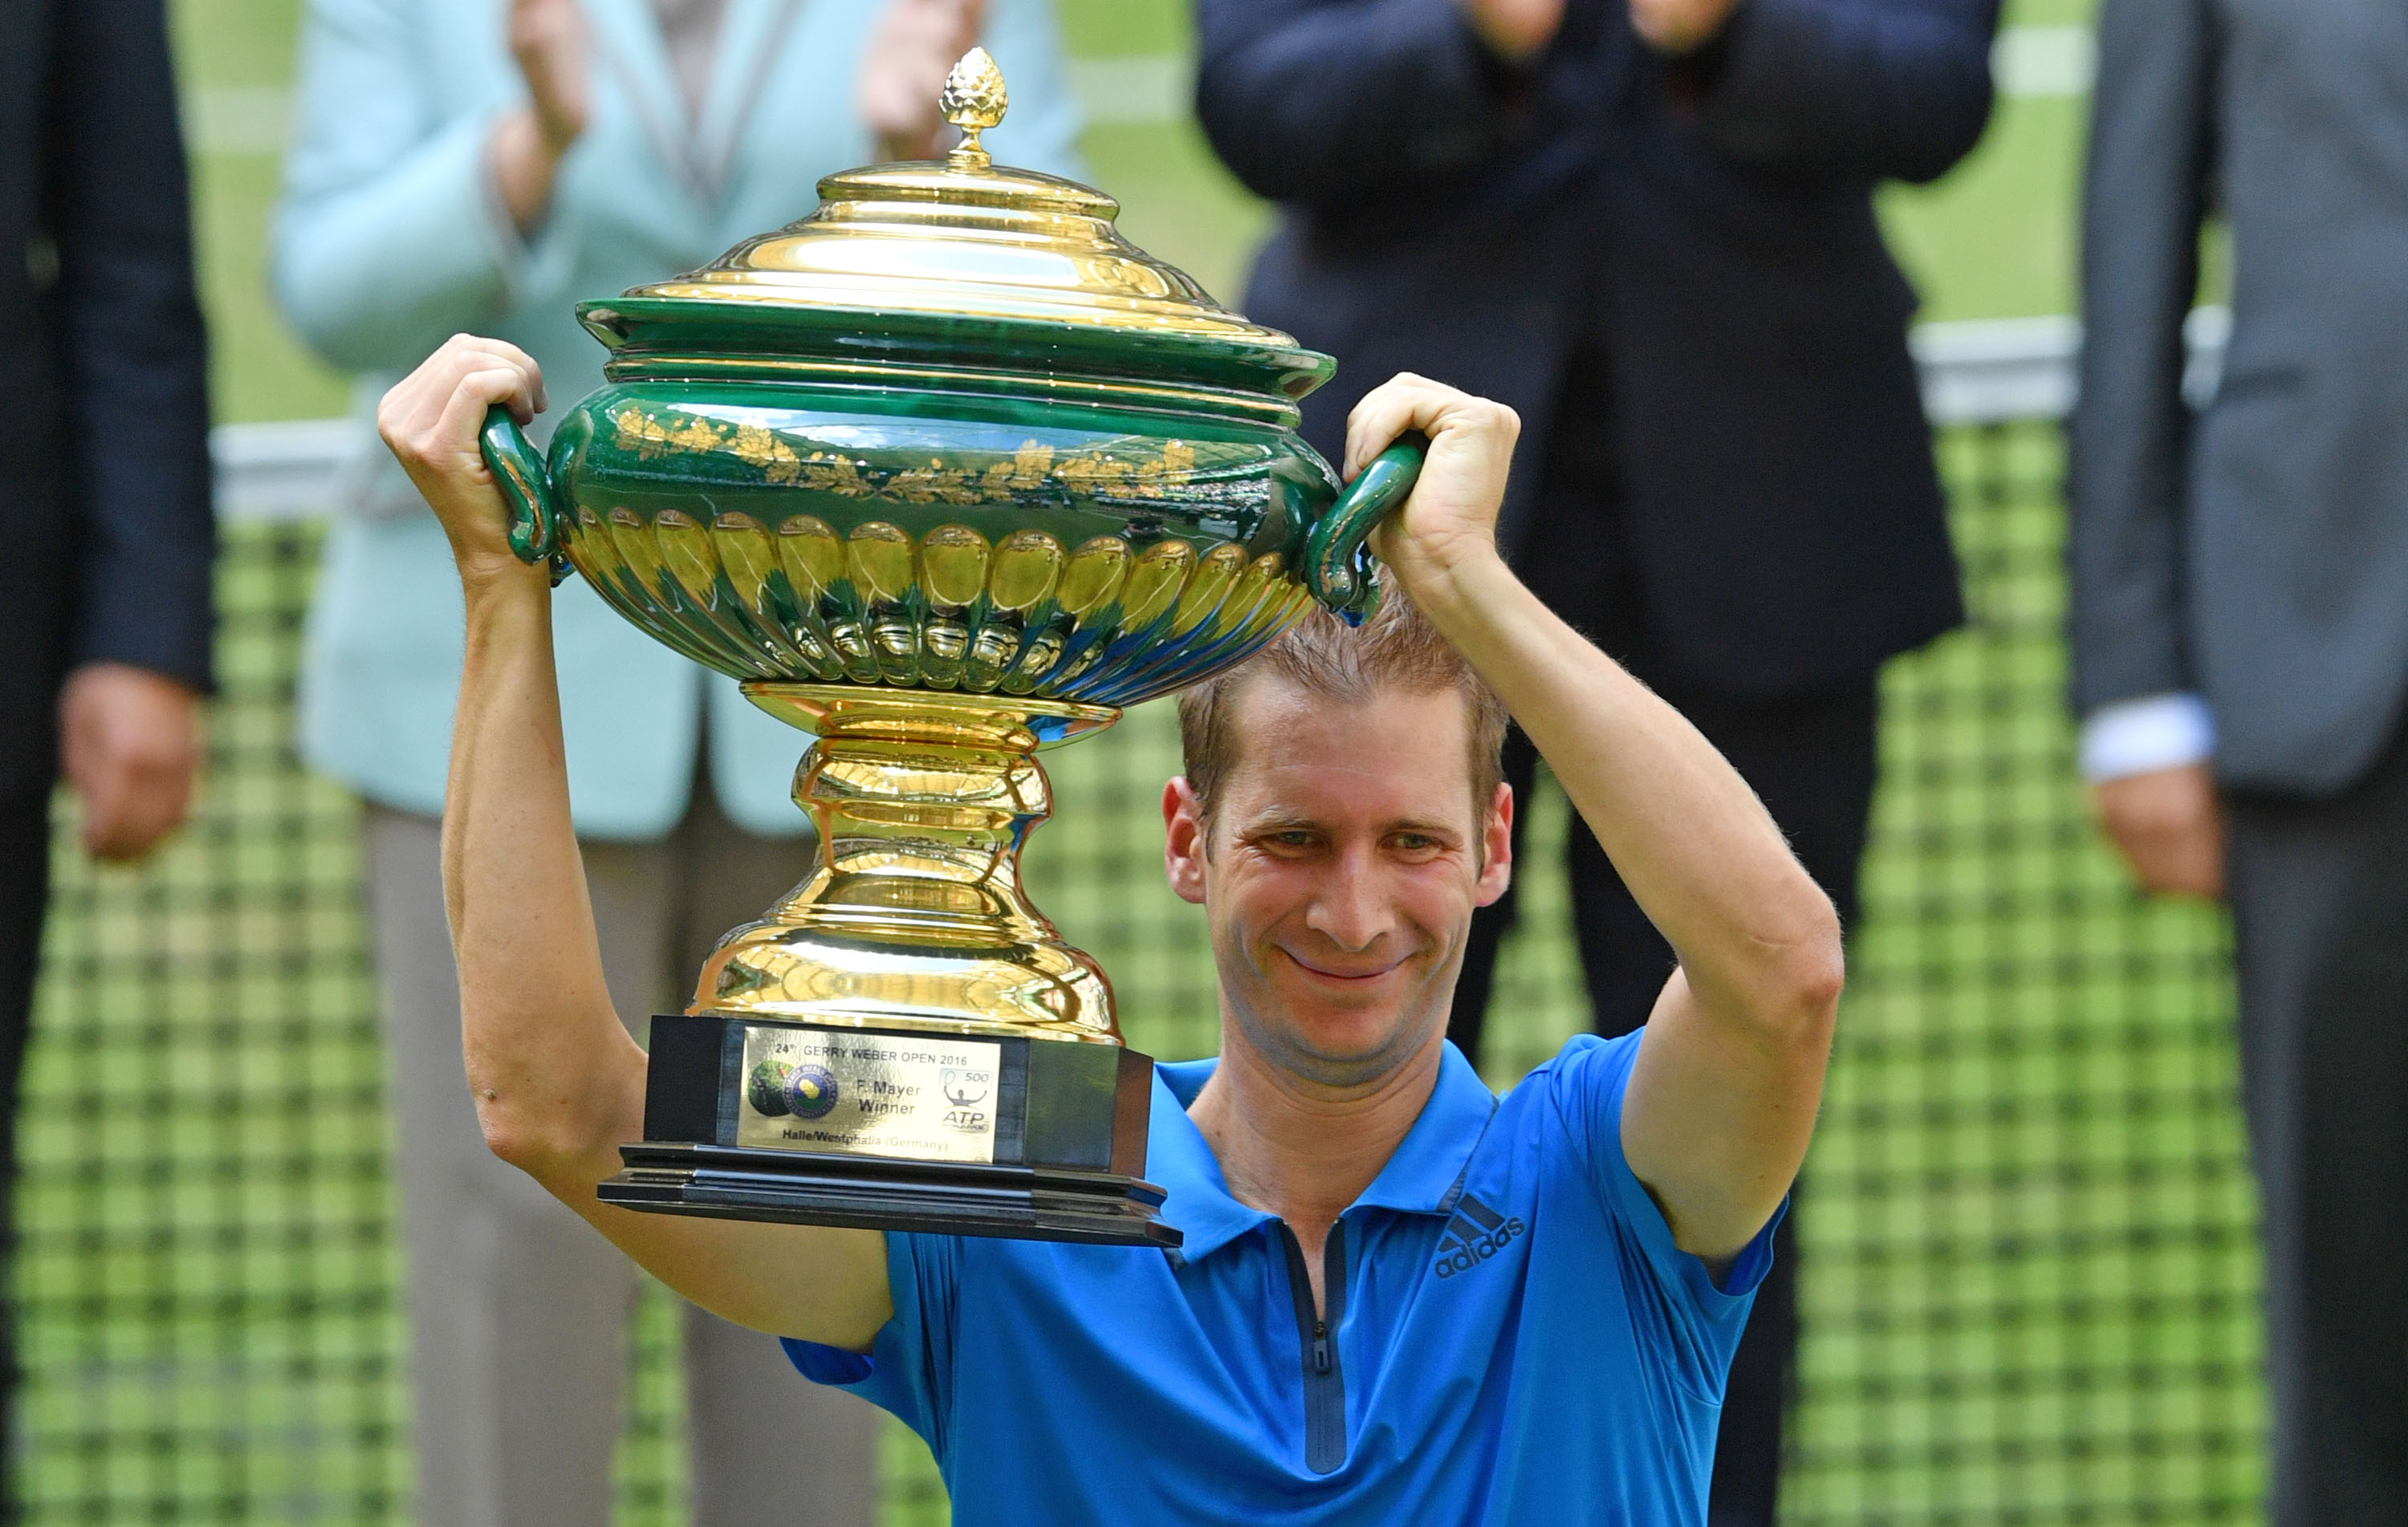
point(914, 916)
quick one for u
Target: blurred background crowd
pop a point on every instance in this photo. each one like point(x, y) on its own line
point(2068, 651)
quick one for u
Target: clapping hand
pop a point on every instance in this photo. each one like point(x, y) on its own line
point(1515, 29)
point(548, 43)
point(1679, 27)
point(915, 45)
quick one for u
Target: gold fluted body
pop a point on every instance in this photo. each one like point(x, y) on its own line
point(914, 916)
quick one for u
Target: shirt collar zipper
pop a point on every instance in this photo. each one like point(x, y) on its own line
point(1325, 1379)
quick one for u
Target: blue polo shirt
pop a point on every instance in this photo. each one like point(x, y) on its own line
point(1512, 1336)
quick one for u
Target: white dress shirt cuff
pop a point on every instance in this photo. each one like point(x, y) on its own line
point(2155, 732)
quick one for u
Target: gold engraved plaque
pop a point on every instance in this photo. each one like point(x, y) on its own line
point(869, 1094)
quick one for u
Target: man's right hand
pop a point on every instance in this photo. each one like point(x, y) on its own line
point(1515, 29)
point(430, 420)
point(2168, 825)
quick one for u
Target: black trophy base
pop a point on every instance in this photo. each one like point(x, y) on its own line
point(875, 1192)
point(801, 1123)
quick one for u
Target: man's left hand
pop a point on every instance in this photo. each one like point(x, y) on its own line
point(129, 745)
point(1450, 520)
point(1679, 27)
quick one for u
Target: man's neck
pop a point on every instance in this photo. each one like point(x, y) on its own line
point(1301, 1149)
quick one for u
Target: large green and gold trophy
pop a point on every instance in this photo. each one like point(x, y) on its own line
point(945, 473)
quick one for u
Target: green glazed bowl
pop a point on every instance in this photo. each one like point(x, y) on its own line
point(950, 432)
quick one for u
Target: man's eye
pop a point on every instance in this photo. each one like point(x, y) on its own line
point(1416, 843)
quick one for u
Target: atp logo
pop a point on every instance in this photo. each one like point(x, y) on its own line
point(966, 1088)
point(1476, 1234)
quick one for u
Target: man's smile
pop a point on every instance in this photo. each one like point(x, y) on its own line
point(1340, 969)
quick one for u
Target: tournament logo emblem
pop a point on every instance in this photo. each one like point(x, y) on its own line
point(810, 1091)
point(766, 1088)
point(1476, 1234)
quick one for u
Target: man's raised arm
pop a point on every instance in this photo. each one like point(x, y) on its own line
point(1723, 1095)
point(558, 1084)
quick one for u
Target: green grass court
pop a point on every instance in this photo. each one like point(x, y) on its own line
point(2031, 1285)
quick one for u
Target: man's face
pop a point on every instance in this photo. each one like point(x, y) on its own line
point(1339, 871)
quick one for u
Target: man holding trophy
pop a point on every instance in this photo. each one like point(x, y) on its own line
point(1395, 1296)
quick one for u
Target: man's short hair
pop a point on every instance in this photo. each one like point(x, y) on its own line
point(1397, 649)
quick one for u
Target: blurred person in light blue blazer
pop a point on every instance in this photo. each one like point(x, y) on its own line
point(484, 165)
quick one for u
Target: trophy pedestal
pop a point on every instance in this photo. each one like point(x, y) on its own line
point(904, 1042)
point(894, 1129)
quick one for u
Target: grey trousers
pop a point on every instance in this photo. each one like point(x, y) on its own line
point(518, 1310)
point(2320, 902)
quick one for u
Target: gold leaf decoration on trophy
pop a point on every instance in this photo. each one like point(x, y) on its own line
point(834, 474)
point(1029, 467)
point(935, 483)
point(649, 436)
point(977, 477)
point(760, 447)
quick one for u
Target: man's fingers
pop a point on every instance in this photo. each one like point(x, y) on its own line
point(430, 426)
point(130, 809)
point(463, 418)
point(432, 419)
point(415, 404)
point(128, 746)
point(439, 408)
point(1404, 402)
point(472, 354)
point(2167, 825)
point(1408, 401)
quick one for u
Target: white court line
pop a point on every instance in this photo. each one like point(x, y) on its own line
point(2043, 61)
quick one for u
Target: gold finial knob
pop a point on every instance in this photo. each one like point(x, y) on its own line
point(974, 100)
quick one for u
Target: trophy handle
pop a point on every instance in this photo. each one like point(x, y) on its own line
point(526, 487)
point(1335, 567)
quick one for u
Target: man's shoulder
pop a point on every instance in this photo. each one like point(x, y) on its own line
point(1565, 1112)
point(1587, 1066)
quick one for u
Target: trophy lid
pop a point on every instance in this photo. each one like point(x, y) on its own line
point(963, 238)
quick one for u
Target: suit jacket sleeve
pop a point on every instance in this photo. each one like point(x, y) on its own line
point(134, 351)
point(1319, 100)
point(389, 235)
point(1885, 88)
point(2144, 200)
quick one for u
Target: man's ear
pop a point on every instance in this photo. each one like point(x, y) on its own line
point(1184, 848)
point(1496, 848)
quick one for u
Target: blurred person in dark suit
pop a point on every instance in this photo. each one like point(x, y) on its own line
point(2240, 624)
point(484, 165)
point(1647, 225)
point(105, 535)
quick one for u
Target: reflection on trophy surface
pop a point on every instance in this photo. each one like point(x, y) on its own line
point(944, 473)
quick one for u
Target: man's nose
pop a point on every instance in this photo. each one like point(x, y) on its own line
point(1349, 911)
